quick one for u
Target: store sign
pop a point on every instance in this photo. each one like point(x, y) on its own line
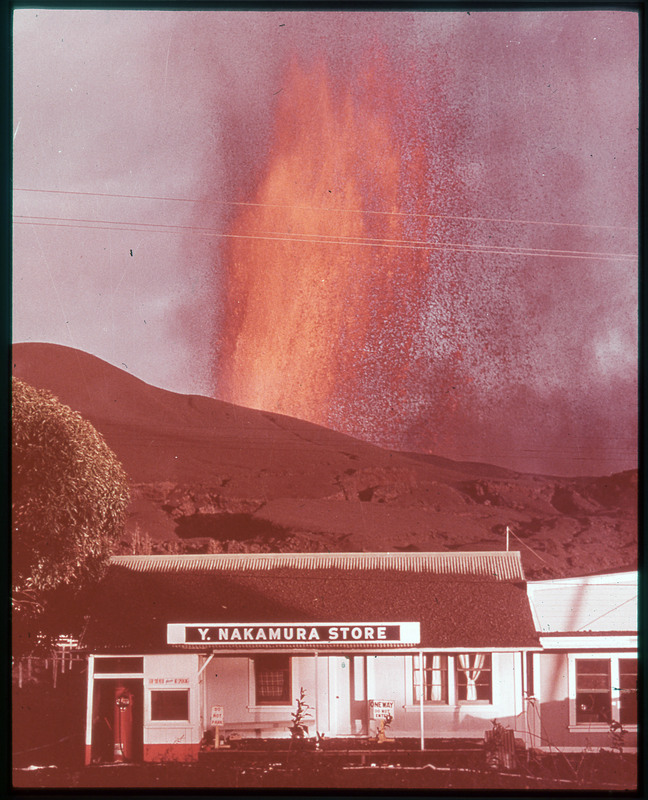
point(381, 709)
point(354, 633)
point(157, 682)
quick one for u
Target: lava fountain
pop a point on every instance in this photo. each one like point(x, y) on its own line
point(329, 263)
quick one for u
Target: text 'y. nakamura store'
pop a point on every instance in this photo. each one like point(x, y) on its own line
point(178, 644)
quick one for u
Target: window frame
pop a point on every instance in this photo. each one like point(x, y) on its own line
point(446, 686)
point(117, 665)
point(453, 667)
point(615, 692)
point(257, 703)
point(166, 721)
point(601, 696)
point(487, 668)
point(623, 690)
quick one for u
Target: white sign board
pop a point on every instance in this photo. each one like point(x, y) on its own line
point(381, 709)
point(291, 633)
point(217, 716)
point(168, 681)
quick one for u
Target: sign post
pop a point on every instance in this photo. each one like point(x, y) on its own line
point(217, 719)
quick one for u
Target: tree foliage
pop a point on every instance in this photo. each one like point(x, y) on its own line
point(69, 498)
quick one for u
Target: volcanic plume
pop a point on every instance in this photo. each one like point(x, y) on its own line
point(329, 265)
point(416, 228)
point(370, 285)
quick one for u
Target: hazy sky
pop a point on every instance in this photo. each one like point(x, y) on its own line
point(417, 228)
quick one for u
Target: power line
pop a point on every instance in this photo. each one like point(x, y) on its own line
point(152, 227)
point(537, 555)
point(327, 238)
point(330, 210)
point(609, 611)
point(469, 245)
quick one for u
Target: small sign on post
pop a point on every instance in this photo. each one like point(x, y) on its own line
point(217, 719)
point(382, 710)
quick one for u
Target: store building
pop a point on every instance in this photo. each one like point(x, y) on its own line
point(441, 642)
point(585, 677)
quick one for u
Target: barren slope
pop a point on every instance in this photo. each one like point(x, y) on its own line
point(210, 474)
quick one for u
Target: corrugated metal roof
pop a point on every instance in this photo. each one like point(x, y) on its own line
point(131, 608)
point(501, 565)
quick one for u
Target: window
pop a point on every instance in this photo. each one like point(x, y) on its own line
point(628, 691)
point(604, 690)
point(115, 664)
point(452, 679)
point(435, 678)
point(593, 690)
point(170, 704)
point(272, 679)
point(474, 684)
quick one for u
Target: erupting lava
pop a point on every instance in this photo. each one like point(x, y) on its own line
point(327, 270)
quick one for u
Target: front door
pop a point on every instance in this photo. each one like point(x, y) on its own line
point(117, 719)
point(349, 676)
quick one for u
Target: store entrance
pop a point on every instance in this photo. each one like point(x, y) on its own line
point(351, 711)
point(117, 720)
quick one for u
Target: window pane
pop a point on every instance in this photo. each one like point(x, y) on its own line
point(435, 679)
point(593, 682)
point(272, 679)
point(110, 664)
point(592, 674)
point(628, 689)
point(473, 677)
point(170, 704)
point(628, 673)
point(593, 707)
point(593, 666)
point(628, 681)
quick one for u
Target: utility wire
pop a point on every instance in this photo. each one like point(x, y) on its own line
point(609, 611)
point(152, 227)
point(330, 210)
point(466, 245)
point(529, 548)
point(325, 238)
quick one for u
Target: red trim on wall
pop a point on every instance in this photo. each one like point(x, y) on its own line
point(171, 752)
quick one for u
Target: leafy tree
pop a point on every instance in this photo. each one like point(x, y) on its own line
point(69, 500)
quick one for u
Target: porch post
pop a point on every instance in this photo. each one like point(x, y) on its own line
point(525, 698)
point(421, 698)
point(89, 710)
point(317, 727)
point(201, 675)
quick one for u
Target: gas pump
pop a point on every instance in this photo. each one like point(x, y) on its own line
point(123, 727)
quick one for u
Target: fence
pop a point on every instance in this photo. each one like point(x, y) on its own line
point(40, 669)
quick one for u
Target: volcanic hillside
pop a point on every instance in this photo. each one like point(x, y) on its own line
point(208, 476)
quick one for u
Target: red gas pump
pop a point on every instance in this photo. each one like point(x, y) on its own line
point(123, 728)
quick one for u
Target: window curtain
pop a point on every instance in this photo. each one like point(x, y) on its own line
point(436, 688)
point(472, 672)
point(271, 683)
